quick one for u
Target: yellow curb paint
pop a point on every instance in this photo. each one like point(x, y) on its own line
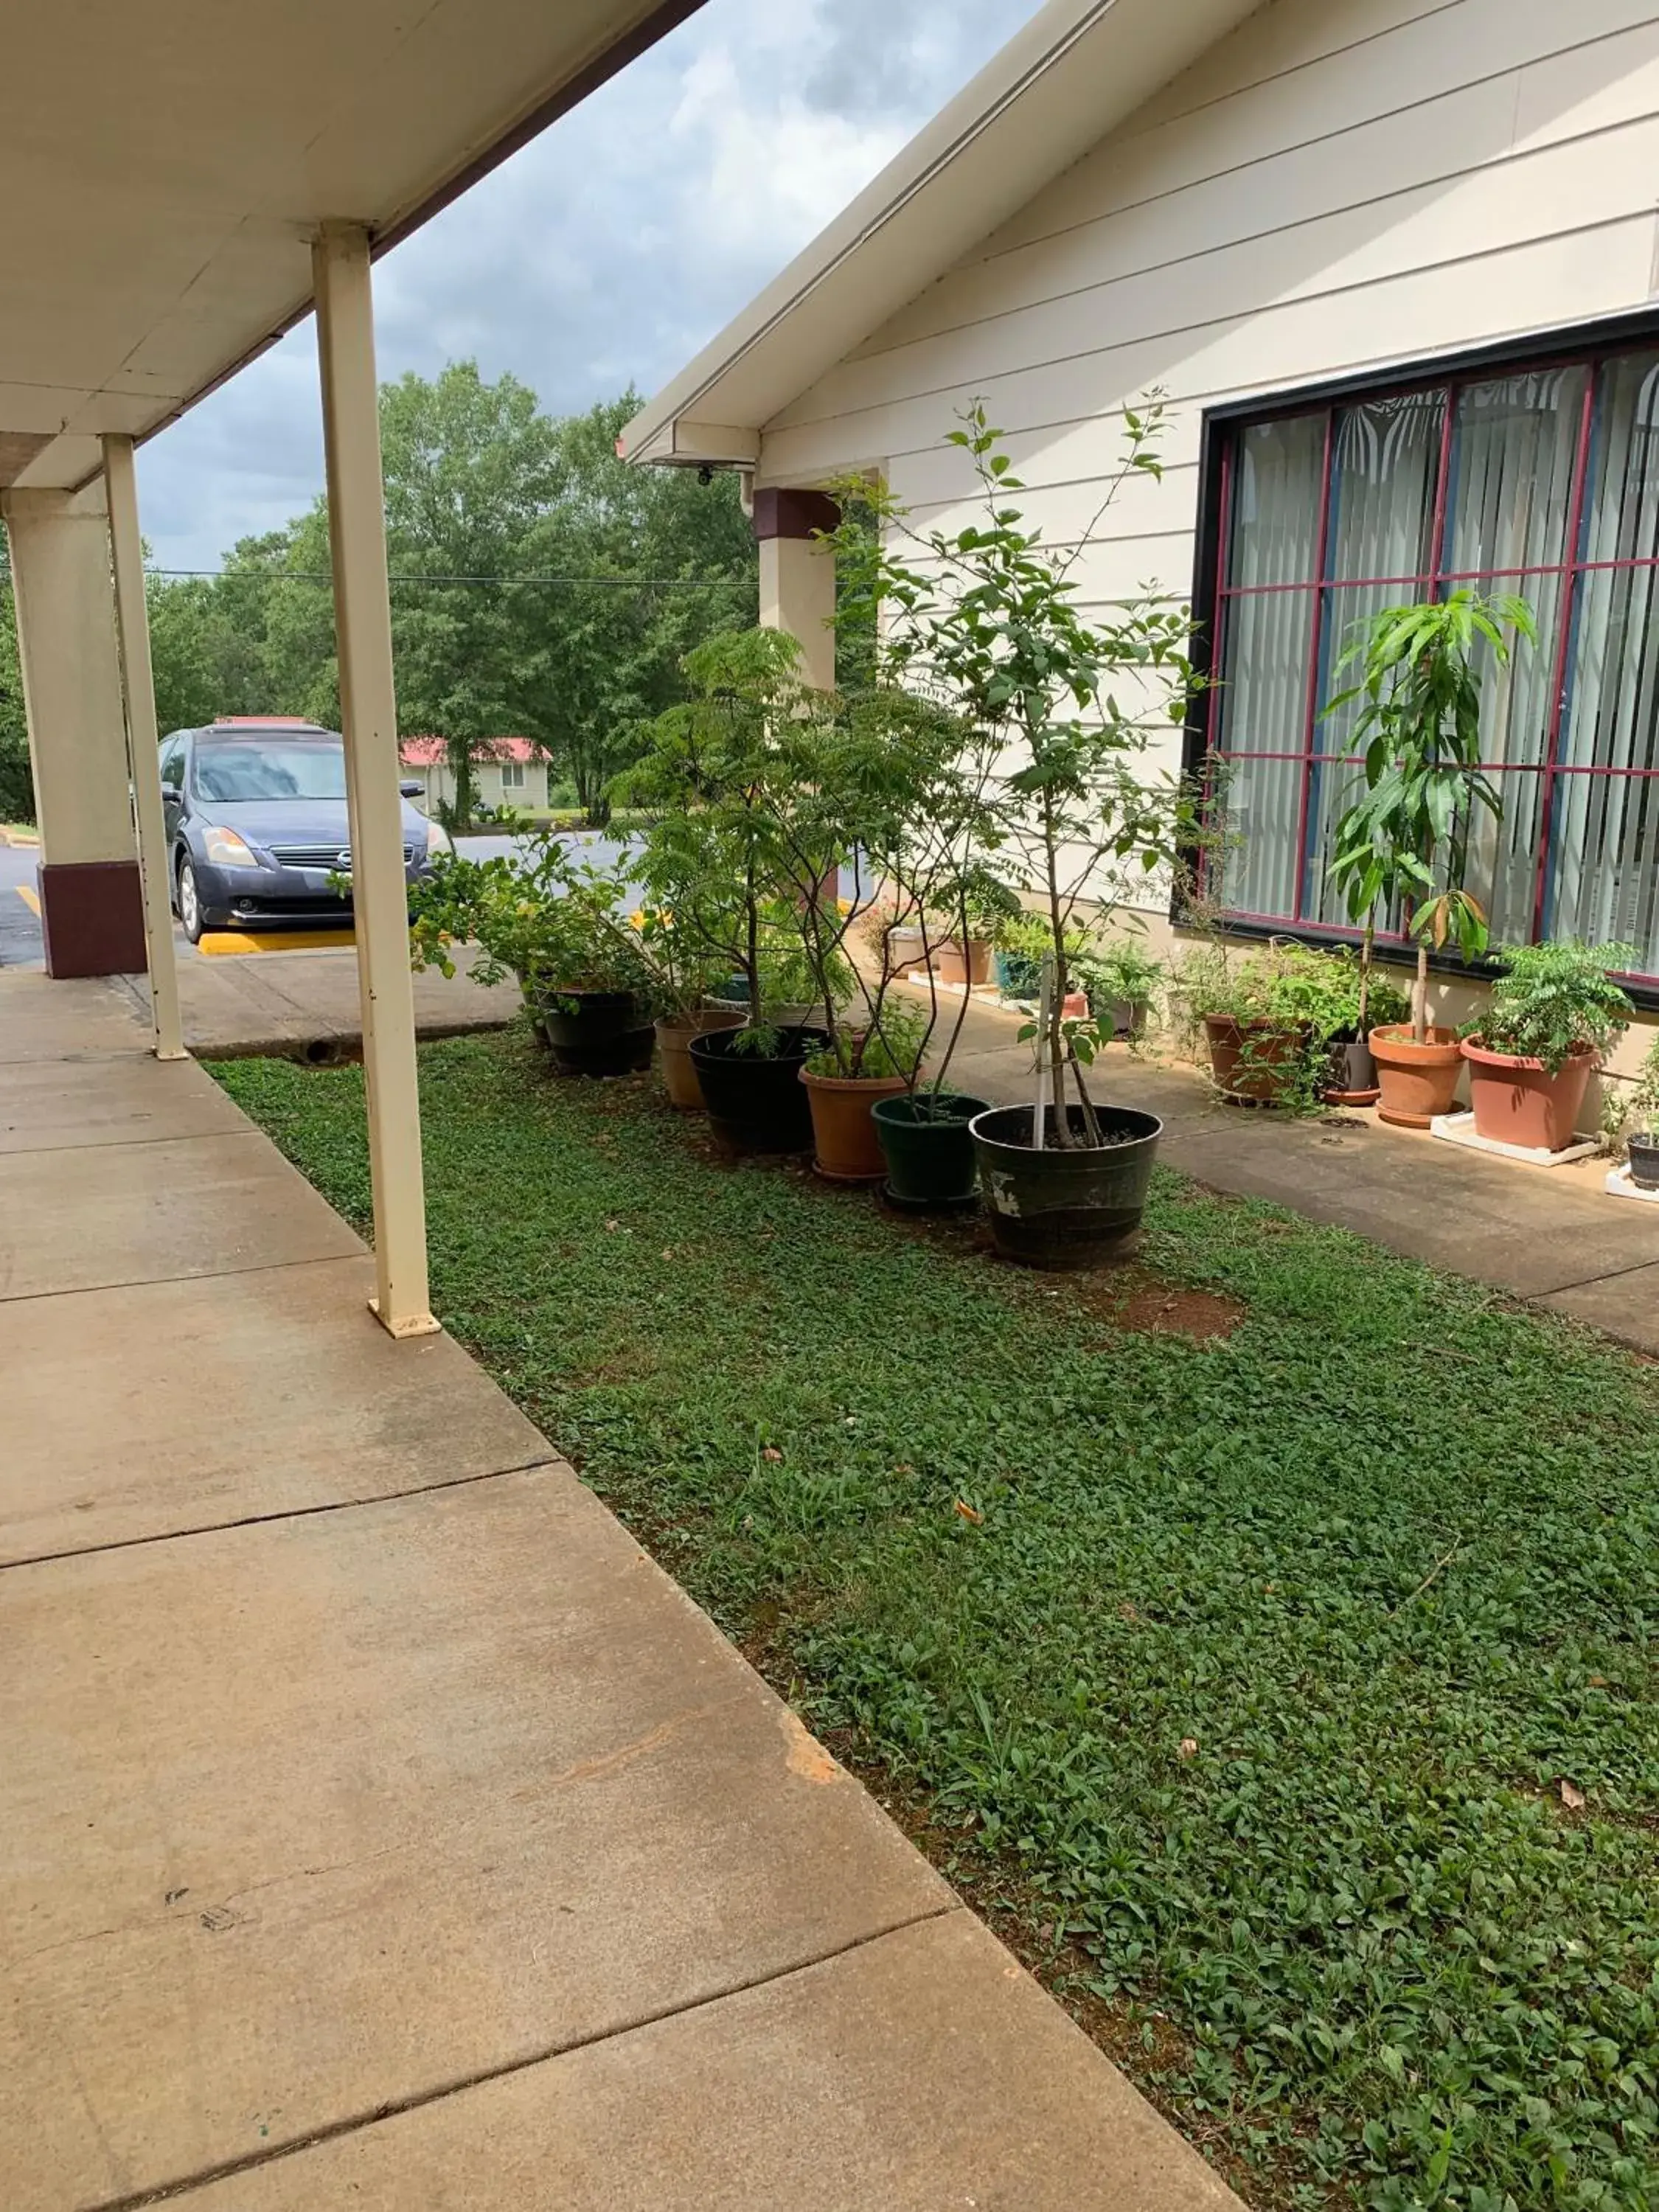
point(31, 899)
point(223, 944)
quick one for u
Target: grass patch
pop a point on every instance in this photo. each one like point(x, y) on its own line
point(1237, 1672)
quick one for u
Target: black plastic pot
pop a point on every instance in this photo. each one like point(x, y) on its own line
point(928, 1147)
point(757, 1102)
point(1644, 1161)
point(596, 1032)
point(1353, 1071)
point(1063, 1210)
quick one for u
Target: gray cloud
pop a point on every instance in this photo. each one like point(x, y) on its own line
point(611, 249)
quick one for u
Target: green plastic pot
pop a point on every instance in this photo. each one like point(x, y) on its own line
point(928, 1147)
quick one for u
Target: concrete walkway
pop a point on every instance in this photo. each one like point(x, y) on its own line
point(1549, 1235)
point(377, 1826)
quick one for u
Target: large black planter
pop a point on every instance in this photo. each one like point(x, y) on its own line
point(1350, 1080)
point(1645, 1160)
point(1062, 1210)
point(757, 1102)
point(596, 1032)
point(929, 1147)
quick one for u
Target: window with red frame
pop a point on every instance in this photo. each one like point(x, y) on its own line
point(1543, 482)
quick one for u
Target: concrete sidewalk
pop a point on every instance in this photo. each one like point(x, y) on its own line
point(377, 1824)
point(1549, 1235)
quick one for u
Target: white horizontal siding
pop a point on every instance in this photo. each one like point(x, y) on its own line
point(1337, 187)
point(1484, 298)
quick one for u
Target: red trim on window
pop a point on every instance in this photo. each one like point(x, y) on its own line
point(1315, 640)
point(1218, 655)
point(1565, 616)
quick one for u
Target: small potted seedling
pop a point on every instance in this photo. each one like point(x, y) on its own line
point(1405, 841)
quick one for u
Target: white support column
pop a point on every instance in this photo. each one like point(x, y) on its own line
point(92, 907)
point(143, 742)
point(798, 576)
point(363, 621)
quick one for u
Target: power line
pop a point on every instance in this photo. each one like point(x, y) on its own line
point(498, 576)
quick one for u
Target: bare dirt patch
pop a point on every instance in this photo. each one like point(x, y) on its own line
point(1134, 1300)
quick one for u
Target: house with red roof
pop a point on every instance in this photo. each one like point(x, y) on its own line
point(510, 772)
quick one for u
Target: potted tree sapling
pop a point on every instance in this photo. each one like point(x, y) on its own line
point(925, 853)
point(1553, 1016)
point(684, 979)
point(711, 858)
point(993, 621)
point(1405, 841)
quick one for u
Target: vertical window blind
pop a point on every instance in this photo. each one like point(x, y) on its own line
point(1543, 483)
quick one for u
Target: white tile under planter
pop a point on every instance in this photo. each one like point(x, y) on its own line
point(1459, 1129)
point(1622, 1184)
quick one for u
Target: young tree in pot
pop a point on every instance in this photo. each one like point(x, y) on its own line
point(993, 622)
point(1553, 1014)
point(1405, 841)
point(684, 979)
point(711, 858)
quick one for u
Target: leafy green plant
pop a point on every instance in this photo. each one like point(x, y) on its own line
point(554, 922)
point(1285, 990)
point(1555, 1002)
point(991, 623)
point(1406, 839)
point(893, 1051)
point(1117, 974)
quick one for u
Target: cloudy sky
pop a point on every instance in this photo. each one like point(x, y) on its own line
point(609, 250)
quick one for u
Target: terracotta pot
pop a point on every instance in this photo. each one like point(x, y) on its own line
point(1255, 1060)
point(845, 1143)
point(951, 967)
point(1516, 1102)
point(679, 1077)
point(1419, 1081)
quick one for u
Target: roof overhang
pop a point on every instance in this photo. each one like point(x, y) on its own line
point(165, 165)
point(1077, 69)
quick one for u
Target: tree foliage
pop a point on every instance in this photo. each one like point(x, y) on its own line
point(541, 588)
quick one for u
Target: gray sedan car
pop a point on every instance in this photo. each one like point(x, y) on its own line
point(258, 826)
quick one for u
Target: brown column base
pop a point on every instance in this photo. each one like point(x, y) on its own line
point(91, 917)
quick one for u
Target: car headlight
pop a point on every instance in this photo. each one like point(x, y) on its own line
point(226, 850)
point(438, 839)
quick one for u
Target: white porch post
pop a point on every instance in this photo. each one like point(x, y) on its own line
point(363, 621)
point(143, 742)
point(797, 576)
point(91, 913)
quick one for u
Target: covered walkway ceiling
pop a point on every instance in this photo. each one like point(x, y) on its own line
point(163, 169)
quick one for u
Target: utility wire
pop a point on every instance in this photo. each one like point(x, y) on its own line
point(500, 576)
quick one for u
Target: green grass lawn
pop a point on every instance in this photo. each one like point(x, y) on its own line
point(1236, 1681)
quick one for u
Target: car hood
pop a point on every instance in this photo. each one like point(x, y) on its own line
point(271, 821)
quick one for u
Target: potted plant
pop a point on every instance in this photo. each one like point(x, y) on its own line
point(1122, 980)
point(1641, 1123)
point(1365, 996)
point(711, 782)
point(1022, 942)
point(684, 979)
point(992, 619)
point(561, 929)
point(1553, 1013)
point(857, 1071)
point(1405, 841)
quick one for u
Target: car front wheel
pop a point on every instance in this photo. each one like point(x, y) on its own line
point(190, 902)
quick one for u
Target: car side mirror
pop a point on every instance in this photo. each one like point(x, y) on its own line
point(171, 791)
point(412, 789)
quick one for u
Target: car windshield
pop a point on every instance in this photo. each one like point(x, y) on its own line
point(230, 769)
